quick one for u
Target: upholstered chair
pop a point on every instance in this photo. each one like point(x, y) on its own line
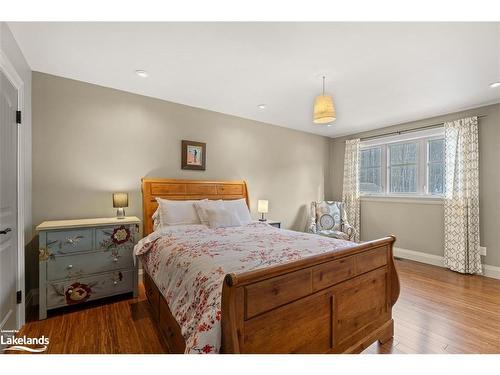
point(328, 218)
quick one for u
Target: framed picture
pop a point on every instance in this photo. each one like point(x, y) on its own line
point(194, 155)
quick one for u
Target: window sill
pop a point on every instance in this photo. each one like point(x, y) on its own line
point(402, 199)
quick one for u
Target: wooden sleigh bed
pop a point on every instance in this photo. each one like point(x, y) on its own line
point(339, 302)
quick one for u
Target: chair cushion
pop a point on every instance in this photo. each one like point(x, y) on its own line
point(328, 216)
point(334, 234)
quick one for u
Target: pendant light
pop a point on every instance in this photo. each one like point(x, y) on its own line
point(324, 110)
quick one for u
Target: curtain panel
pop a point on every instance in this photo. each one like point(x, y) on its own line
point(461, 198)
point(350, 192)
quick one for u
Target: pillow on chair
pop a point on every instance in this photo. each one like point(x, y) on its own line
point(328, 216)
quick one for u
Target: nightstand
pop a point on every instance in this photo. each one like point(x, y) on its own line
point(274, 223)
point(84, 260)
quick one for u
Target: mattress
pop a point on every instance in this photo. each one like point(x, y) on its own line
point(188, 263)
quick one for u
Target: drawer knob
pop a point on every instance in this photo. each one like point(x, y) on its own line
point(115, 259)
point(70, 266)
point(115, 282)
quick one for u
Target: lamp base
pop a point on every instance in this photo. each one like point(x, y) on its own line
point(120, 213)
point(262, 218)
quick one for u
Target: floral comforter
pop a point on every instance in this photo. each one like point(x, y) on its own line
point(188, 264)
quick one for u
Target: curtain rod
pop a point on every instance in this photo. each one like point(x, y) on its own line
point(409, 130)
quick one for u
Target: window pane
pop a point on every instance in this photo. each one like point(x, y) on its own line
point(436, 150)
point(404, 153)
point(436, 178)
point(370, 157)
point(370, 180)
point(403, 179)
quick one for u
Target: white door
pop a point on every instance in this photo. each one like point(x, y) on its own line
point(8, 204)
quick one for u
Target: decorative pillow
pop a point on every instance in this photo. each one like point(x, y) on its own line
point(156, 219)
point(221, 218)
point(173, 212)
point(328, 215)
point(240, 209)
point(202, 206)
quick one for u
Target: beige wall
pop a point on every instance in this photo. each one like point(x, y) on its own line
point(89, 141)
point(419, 226)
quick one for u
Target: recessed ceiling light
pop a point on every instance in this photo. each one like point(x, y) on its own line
point(494, 84)
point(142, 73)
point(261, 106)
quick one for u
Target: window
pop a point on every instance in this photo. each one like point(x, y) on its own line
point(403, 167)
point(435, 166)
point(370, 174)
point(411, 164)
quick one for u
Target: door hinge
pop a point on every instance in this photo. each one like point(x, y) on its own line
point(19, 296)
point(18, 117)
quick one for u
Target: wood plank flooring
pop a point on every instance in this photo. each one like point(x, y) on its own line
point(438, 311)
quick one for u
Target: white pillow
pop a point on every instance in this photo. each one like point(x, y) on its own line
point(202, 206)
point(240, 209)
point(221, 218)
point(177, 212)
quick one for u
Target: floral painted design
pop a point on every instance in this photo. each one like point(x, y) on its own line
point(44, 254)
point(188, 264)
point(120, 235)
point(77, 293)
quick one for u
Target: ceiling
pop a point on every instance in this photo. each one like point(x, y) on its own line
point(379, 74)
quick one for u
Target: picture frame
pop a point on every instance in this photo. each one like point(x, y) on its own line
point(193, 155)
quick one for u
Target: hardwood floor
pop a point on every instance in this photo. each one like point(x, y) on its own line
point(438, 311)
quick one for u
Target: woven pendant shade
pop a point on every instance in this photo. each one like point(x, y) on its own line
point(324, 110)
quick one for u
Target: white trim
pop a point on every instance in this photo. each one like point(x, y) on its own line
point(404, 137)
point(436, 260)
point(12, 75)
point(491, 271)
point(402, 199)
point(419, 256)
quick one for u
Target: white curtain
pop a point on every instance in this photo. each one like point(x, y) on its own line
point(350, 192)
point(461, 202)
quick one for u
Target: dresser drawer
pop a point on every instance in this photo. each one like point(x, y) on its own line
point(69, 241)
point(114, 237)
point(75, 291)
point(72, 266)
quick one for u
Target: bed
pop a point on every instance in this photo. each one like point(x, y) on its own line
point(330, 296)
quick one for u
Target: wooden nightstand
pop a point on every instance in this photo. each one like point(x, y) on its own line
point(274, 223)
point(84, 260)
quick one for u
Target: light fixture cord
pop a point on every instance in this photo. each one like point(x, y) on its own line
point(323, 85)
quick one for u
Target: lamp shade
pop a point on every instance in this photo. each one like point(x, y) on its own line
point(120, 200)
point(324, 110)
point(263, 206)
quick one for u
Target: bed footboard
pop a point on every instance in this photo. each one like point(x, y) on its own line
point(331, 303)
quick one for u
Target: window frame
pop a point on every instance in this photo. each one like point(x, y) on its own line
point(422, 139)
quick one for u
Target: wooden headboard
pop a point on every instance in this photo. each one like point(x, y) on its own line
point(185, 190)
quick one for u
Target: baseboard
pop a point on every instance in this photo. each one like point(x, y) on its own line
point(436, 260)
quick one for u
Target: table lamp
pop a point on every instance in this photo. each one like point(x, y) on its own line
point(120, 201)
point(262, 208)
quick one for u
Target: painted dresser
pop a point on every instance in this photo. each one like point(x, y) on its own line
point(84, 260)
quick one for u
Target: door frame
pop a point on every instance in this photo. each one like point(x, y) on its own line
point(15, 79)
